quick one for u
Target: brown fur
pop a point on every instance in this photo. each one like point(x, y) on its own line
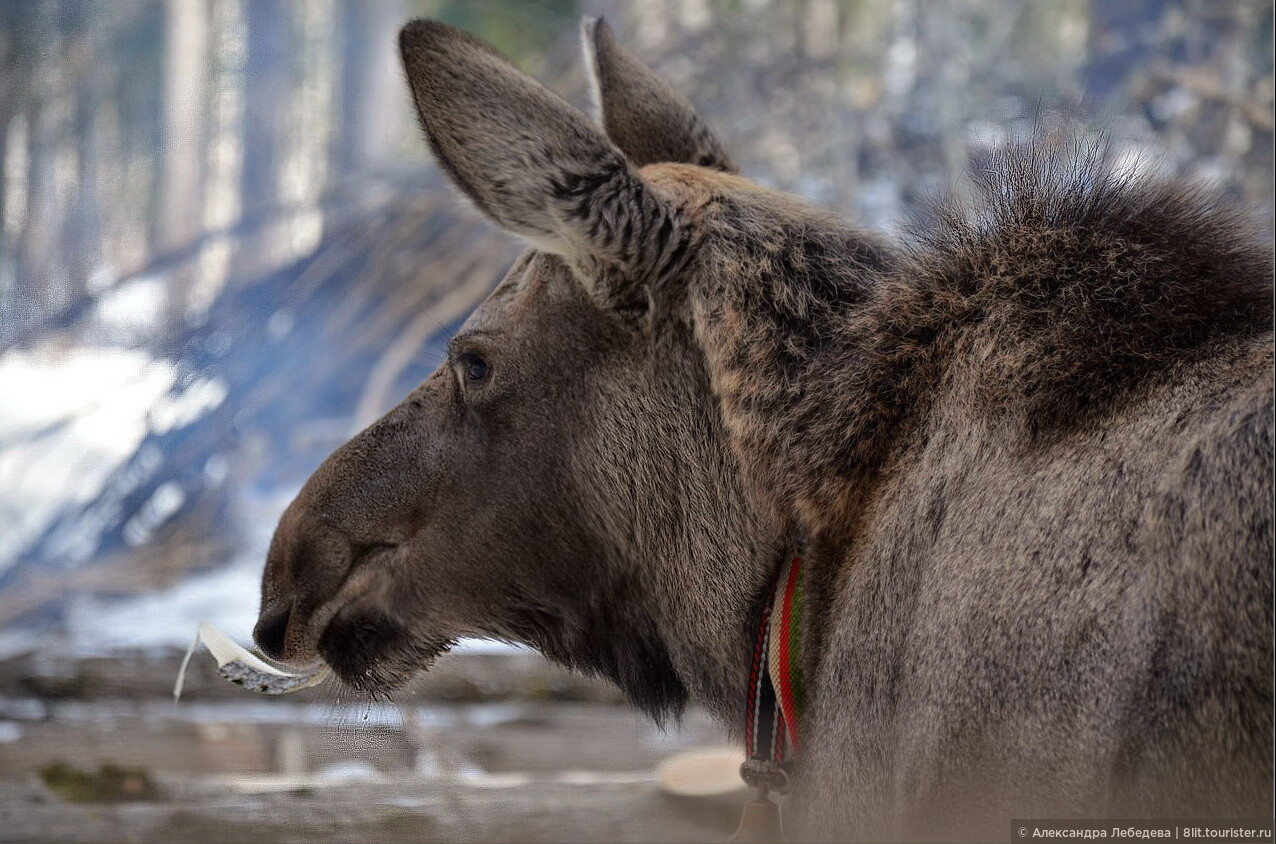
point(1027, 454)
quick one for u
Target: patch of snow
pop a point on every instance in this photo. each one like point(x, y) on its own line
point(163, 503)
point(900, 71)
point(20, 641)
point(496, 714)
point(477, 778)
point(281, 322)
point(1132, 161)
point(132, 310)
point(71, 417)
point(986, 135)
point(181, 409)
point(349, 771)
point(24, 709)
point(226, 597)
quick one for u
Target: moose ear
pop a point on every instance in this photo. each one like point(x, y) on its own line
point(647, 119)
point(531, 162)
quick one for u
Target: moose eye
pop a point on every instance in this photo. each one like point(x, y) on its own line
point(473, 368)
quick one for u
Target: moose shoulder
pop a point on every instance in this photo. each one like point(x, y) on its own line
point(1026, 457)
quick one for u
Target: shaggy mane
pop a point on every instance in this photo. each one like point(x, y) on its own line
point(1064, 288)
point(1083, 280)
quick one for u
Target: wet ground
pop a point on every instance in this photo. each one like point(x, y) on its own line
point(488, 747)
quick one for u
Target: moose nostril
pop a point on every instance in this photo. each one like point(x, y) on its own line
point(270, 631)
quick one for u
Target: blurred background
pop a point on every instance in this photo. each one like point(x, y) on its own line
point(223, 250)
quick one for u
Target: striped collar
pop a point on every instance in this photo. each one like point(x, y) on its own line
point(777, 693)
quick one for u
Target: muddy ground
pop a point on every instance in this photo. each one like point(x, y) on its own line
point(488, 747)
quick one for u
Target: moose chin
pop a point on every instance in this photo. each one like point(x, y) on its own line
point(1003, 487)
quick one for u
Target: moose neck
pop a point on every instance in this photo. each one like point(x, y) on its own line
point(708, 539)
point(700, 538)
point(706, 551)
point(709, 623)
point(685, 556)
point(787, 302)
point(781, 309)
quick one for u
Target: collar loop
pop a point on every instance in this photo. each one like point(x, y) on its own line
point(777, 693)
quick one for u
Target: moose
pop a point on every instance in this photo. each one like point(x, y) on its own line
point(1024, 455)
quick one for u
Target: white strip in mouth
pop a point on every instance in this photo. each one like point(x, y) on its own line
point(245, 668)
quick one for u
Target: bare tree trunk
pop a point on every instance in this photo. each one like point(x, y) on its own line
point(267, 86)
point(186, 24)
point(6, 266)
point(11, 36)
point(35, 277)
point(1122, 34)
point(83, 236)
point(368, 95)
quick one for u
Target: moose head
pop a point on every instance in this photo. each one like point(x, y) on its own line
point(564, 480)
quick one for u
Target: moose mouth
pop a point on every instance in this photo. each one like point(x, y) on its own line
point(370, 649)
point(375, 654)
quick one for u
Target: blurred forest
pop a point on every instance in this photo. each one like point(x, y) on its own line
point(223, 248)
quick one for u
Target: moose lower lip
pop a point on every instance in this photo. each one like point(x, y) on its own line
point(380, 665)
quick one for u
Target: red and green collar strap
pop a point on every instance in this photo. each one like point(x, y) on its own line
point(777, 695)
